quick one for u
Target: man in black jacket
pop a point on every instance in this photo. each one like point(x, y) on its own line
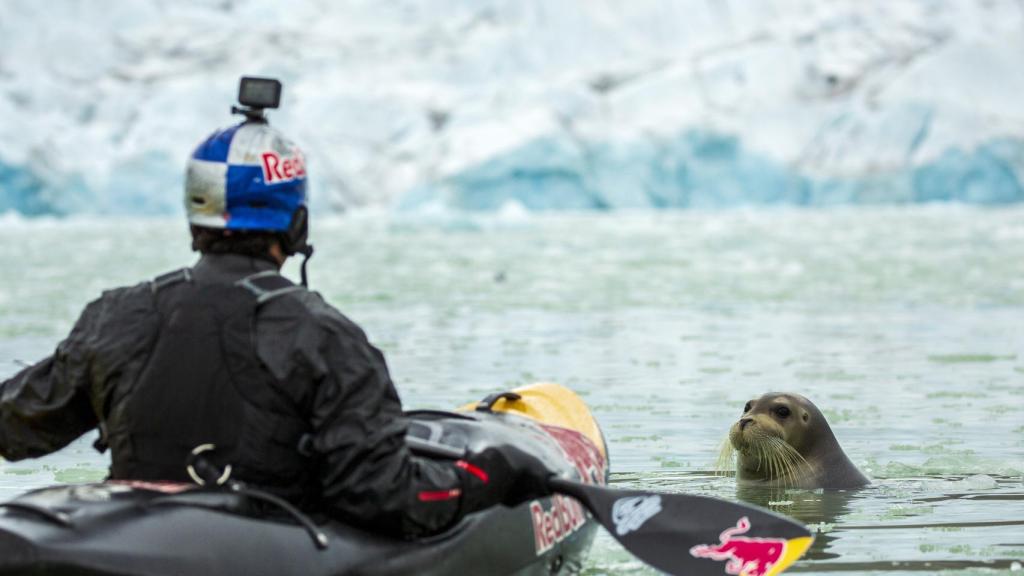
point(231, 353)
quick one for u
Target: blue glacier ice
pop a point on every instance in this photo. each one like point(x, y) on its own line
point(23, 192)
point(990, 174)
point(710, 170)
point(545, 175)
point(480, 104)
point(695, 170)
point(148, 185)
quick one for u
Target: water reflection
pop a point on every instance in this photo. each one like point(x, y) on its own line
point(926, 524)
point(820, 510)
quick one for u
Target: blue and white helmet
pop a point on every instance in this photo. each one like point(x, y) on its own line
point(248, 177)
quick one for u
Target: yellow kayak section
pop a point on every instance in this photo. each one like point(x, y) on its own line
point(553, 404)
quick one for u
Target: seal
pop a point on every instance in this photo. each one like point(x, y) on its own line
point(783, 440)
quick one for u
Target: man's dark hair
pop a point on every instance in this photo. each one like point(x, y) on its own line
point(219, 241)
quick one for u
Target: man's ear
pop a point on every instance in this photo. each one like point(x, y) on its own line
point(277, 252)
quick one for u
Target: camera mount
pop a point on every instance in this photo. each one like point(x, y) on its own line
point(256, 95)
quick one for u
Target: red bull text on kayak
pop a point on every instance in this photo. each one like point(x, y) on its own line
point(744, 556)
point(566, 515)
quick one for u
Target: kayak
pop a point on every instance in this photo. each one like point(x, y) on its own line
point(146, 529)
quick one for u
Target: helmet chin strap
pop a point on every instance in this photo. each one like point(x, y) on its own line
point(307, 253)
point(294, 239)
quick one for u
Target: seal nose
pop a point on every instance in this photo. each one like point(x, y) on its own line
point(744, 422)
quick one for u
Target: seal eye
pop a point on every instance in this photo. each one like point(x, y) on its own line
point(746, 408)
point(782, 412)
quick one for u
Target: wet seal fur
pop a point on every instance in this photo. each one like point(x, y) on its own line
point(783, 440)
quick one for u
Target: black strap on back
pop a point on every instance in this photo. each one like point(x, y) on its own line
point(267, 285)
point(203, 382)
point(164, 280)
point(155, 285)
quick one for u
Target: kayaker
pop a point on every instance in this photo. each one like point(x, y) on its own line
point(231, 353)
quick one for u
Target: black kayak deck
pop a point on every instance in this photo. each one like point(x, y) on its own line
point(118, 529)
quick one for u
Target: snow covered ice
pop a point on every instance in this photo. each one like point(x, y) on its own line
point(481, 104)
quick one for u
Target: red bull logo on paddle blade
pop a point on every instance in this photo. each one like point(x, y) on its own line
point(747, 556)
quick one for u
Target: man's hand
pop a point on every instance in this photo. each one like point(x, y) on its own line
point(508, 476)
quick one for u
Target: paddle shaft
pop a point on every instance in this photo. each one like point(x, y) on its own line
point(661, 528)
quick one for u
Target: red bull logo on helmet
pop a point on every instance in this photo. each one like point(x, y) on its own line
point(743, 556)
point(278, 168)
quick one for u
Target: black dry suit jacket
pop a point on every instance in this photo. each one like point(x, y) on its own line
point(230, 352)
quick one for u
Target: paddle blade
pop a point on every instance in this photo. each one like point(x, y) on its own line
point(694, 535)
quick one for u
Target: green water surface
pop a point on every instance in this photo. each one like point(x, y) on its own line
point(905, 325)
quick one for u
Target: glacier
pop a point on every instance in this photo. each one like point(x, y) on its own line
point(702, 170)
point(477, 105)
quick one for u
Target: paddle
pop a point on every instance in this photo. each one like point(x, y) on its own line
point(681, 533)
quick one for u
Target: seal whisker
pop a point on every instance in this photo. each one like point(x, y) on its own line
point(796, 463)
point(788, 464)
point(785, 454)
point(760, 457)
point(767, 459)
point(797, 460)
point(726, 460)
point(769, 452)
point(779, 471)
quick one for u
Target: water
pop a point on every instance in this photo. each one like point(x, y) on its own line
point(905, 325)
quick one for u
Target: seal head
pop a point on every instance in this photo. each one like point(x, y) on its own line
point(783, 440)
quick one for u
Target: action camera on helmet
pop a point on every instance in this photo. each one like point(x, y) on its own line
point(256, 95)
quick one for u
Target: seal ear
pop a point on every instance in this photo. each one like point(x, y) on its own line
point(805, 416)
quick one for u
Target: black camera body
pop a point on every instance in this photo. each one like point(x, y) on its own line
point(256, 95)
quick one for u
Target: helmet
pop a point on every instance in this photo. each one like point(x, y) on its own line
point(249, 178)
